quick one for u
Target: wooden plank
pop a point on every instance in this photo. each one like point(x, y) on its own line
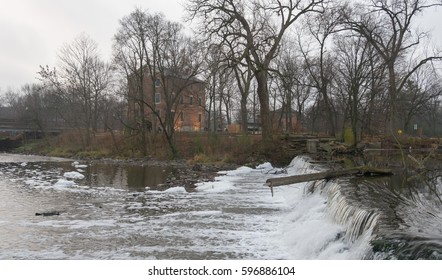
point(358, 171)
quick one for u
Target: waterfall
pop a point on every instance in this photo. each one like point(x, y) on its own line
point(383, 217)
point(323, 223)
point(358, 221)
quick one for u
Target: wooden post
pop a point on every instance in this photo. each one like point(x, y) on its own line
point(357, 171)
point(312, 145)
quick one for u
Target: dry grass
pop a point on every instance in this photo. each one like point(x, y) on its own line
point(216, 147)
point(197, 147)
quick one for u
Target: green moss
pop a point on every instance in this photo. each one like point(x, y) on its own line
point(348, 163)
point(348, 136)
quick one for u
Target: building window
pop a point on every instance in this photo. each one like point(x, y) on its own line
point(157, 98)
point(182, 116)
point(157, 83)
point(199, 117)
point(199, 101)
point(181, 99)
point(191, 100)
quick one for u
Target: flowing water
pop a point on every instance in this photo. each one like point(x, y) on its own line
point(115, 212)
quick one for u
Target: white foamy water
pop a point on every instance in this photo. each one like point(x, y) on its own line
point(233, 217)
point(73, 175)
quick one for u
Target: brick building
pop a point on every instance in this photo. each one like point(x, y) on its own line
point(183, 99)
point(281, 122)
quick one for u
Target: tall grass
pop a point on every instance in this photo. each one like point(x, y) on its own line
point(197, 147)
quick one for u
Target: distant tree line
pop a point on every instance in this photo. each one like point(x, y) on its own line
point(339, 67)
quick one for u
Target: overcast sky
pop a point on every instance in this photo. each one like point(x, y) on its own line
point(32, 31)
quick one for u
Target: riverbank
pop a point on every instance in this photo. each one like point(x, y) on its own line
point(204, 147)
point(202, 155)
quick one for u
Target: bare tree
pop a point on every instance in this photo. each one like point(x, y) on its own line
point(355, 57)
point(431, 116)
point(244, 77)
point(179, 63)
point(37, 108)
point(224, 96)
point(154, 52)
point(318, 59)
point(257, 28)
point(388, 26)
point(219, 77)
point(295, 84)
point(230, 97)
point(420, 90)
point(213, 67)
point(243, 73)
point(81, 83)
point(132, 57)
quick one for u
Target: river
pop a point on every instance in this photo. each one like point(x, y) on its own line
point(115, 212)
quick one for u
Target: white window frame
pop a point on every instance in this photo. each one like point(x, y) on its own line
point(157, 82)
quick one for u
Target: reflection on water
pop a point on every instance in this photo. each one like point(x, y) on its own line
point(133, 178)
point(129, 177)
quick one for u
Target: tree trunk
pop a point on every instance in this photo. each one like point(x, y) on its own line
point(171, 142)
point(328, 111)
point(263, 95)
point(289, 114)
point(143, 130)
point(354, 116)
point(220, 110)
point(244, 115)
point(394, 123)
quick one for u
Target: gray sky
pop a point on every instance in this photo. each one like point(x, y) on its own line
point(32, 31)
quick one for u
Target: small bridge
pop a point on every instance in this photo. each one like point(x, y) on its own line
point(13, 134)
point(14, 128)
